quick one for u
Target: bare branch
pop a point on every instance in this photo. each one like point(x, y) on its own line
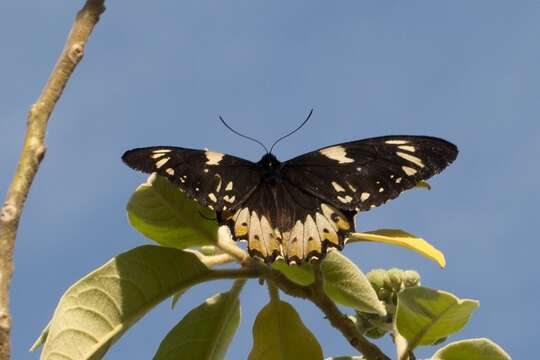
point(33, 152)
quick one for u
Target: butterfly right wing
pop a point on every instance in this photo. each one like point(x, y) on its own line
point(219, 181)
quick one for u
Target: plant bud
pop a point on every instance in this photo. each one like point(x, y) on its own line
point(395, 276)
point(377, 278)
point(411, 278)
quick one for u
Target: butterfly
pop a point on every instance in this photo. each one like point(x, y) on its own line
point(296, 210)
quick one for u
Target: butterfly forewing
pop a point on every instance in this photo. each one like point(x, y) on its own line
point(359, 175)
point(219, 181)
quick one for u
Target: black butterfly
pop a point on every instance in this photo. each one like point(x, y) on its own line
point(298, 208)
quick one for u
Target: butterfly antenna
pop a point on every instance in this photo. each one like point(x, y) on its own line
point(292, 132)
point(242, 135)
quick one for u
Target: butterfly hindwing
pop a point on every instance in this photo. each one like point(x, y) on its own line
point(359, 175)
point(219, 181)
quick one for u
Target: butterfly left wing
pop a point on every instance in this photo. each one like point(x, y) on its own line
point(219, 181)
point(360, 175)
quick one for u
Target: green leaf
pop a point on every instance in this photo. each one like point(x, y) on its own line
point(206, 331)
point(404, 239)
point(345, 283)
point(425, 315)
point(300, 274)
point(346, 358)
point(280, 334)
point(477, 349)
point(96, 310)
point(163, 213)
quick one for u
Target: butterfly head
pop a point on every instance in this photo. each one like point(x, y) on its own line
point(269, 162)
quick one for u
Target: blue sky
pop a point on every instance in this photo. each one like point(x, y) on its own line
point(160, 73)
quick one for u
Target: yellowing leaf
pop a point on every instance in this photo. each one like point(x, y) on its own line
point(164, 214)
point(280, 334)
point(401, 238)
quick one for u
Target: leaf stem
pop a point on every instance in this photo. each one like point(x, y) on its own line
point(33, 152)
point(273, 291)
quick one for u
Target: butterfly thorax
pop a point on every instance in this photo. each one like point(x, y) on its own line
point(272, 169)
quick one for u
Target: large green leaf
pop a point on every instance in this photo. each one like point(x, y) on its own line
point(477, 349)
point(98, 308)
point(280, 334)
point(164, 214)
point(424, 315)
point(345, 283)
point(206, 331)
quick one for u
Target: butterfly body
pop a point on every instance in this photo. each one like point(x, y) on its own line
point(299, 208)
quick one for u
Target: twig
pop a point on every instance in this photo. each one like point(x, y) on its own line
point(33, 152)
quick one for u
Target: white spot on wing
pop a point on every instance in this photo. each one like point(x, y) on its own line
point(407, 148)
point(213, 158)
point(411, 158)
point(170, 171)
point(218, 187)
point(398, 180)
point(158, 155)
point(396, 142)
point(162, 162)
point(229, 186)
point(347, 199)
point(381, 189)
point(408, 170)
point(162, 151)
point(212, 197)
point(229, 199)
point(337, 153)
point(338, 187)
point(364, 196)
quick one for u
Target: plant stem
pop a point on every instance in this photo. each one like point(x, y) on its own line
point(33, 152)
point(228, 245)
